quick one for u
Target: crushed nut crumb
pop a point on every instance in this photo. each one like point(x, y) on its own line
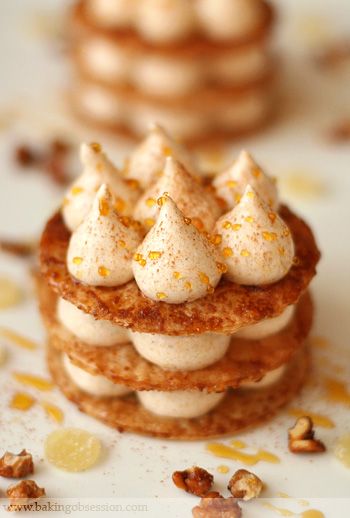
point(16, 466)
point(194, 480)
point(22, 493)
point(301, 437)
point(245, 485)
point(218, 507)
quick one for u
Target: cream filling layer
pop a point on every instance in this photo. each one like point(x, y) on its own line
point(106, 107)
point(167, 21)
point(184, 404)
point(170, 77)
point(267, 327)
point(269, 379)
point(87, 329)
point(95, 385)
point(184, 353)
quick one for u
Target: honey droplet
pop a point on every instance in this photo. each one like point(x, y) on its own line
point(103, 271)
point(245, 253)
point(318, 419)
point(226, 452)
point(72, 449)
point(95, 146)
point(149, 222)
point(223, 469)
point(342, 450)
point(269, 236)
point(226, 225)
point(236, 226)
point(239, 445)
point(337, 391)
point(10, 293)
point(150, 202)
point(17, 339)
point(33, 381)
point(22, 401)
point(227, 252)
point(203, 277)
point(161, 200)
point(155, 255)
point(76, 190)
point(120, 205)
point(167, 151)
point(53, 411)
point(121, 243)
point(177, 275)
point(77, 260)
point(249, 219)
point(103, 207)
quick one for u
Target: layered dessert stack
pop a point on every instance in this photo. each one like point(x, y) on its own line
point(176, 307)
point(202, 68)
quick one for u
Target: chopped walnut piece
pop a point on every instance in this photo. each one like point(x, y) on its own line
point(217, 508)
point(23, 493)
point(245, 485)
point(16, 466)
point(194, 480)
point(301, 437)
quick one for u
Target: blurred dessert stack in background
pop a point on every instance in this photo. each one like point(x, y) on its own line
point(198, 67)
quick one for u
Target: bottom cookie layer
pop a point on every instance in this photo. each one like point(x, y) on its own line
point(239, 409)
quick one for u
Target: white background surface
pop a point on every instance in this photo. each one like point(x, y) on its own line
point(136, 468)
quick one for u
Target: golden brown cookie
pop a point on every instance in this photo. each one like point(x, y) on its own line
point(238, 410)
point(230, 307)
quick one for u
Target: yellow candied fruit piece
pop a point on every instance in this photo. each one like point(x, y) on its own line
point(76, 190)
point(227, 252)
point(33, 381)
point(342, 450)
point(103, 271)
point(17, 339)
point(53, 411)
point(95, 146)
point(161, 295)
point(203, 277)
point(216, 239)
point(177, 275)
point(150, 202)
point(149, 222)
point(188, 285)
point(188, 221)
point(119, 205)
point(22, 401)
point(245, 253)
point(249, 219)
point(221, 267)
point(231, 184)
point(10, 293)
point(236, 226)
point(269, 236)
point(226, 225)
point(272, 216)
point(154, 255)
point(121, 243)
point(103, 207)
point(77, 260)
point(72, 449)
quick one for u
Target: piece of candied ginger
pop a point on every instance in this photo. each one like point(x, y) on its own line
point(72, 449)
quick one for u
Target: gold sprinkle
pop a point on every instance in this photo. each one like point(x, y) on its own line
point(269, 236)
point(142, 262)
point(121, 243)
point(33, 381)
point(250, 194)
point(103, 271)
point(120, 205)
point(231, 184)
point(221, 267)
point(149, 222)
point(95, 146)
point(227, 225)
point(161, 295)
point(188, 221)
point(203, 277)
point(150, 202)
point(22, 401)
point(216, 239)
point(245, 253)
point(103, 207)
point(227, 252)
point(177, 275)
point(249, 219)
point(188, 285)
point(76, 190)
point(77, 260)
point(272, 216)
point(236, 226)
point(155, 255)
